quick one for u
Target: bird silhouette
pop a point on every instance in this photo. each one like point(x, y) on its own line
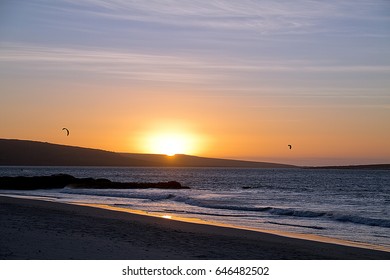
point(67, 131)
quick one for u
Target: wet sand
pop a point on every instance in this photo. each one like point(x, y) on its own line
point(43, 230)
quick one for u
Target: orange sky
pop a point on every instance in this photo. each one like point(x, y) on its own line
point(221, 127)
point(134, 75)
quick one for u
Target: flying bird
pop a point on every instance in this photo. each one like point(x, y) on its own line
point(289, 146)
point(67, 131)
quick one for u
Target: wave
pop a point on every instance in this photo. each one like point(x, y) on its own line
point(217, 205)
point(295, 213)
point(362, 220)
point(119, 194)
point(205, 213)
point(293, 225)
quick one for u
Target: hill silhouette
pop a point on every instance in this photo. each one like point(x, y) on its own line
point(181, 160)
point(25, 152)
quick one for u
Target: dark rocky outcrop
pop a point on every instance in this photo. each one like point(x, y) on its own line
point(65, 180)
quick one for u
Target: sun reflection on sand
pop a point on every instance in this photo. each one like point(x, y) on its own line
point(166, 216)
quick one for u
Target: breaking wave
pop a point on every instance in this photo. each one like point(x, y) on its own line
point(222, 205)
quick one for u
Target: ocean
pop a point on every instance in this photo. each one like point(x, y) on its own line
point(352, 205)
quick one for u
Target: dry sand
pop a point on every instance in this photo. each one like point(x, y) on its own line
point(33, 229)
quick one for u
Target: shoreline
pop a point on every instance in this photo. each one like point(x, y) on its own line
point(302, 236)
point(193, 220)
point(38, 229)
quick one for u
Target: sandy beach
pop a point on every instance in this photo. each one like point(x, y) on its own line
point(42, 230)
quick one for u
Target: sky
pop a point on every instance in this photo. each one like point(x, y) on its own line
point(224, 78)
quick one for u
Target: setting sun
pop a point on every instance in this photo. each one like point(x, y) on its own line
point(170, 138)
point(170, 144)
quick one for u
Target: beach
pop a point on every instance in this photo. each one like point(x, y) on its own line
point(44, 230)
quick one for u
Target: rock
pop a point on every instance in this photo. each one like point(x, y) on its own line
point(64, 180)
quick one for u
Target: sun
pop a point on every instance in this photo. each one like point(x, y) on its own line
point(170, 144)
point(170, 138)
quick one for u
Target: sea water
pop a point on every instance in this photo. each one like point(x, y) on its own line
point(351, 205)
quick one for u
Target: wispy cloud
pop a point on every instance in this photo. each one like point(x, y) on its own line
point(161, 67)
point(228, 14)
point(112, 63)
point(262, 16)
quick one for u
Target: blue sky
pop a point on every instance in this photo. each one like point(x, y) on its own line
point(278, 62)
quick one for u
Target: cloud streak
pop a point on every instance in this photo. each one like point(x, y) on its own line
point(211, 14)
point(261, 16)
point(113, 63)
point(160, 67)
